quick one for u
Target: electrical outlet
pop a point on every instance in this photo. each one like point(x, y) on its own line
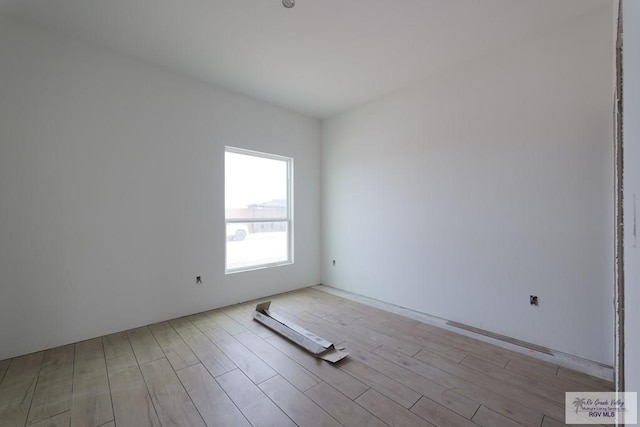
point(198, 279)
point(533, 300)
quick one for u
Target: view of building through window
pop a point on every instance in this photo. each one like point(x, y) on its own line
point(257, 209)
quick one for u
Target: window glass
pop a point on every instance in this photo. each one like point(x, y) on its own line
point(257, 210)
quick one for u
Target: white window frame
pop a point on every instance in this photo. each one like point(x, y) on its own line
point(289, 212)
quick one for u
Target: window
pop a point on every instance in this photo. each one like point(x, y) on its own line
point(258, 210)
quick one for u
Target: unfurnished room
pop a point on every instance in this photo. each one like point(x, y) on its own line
point(319, 212)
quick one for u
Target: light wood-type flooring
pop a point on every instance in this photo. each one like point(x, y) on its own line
point(222, 368)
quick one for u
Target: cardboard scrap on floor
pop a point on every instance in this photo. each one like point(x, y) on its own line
point(316, 345)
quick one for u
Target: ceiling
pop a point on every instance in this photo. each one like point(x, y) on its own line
point(318, 58)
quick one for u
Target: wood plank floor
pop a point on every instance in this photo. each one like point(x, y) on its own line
point(222, 368)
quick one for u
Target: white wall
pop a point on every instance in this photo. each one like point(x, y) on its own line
point(460, 196)
point(111, 192)
point(631, 70)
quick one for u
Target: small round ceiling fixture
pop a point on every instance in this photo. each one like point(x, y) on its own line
point(288, 3)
